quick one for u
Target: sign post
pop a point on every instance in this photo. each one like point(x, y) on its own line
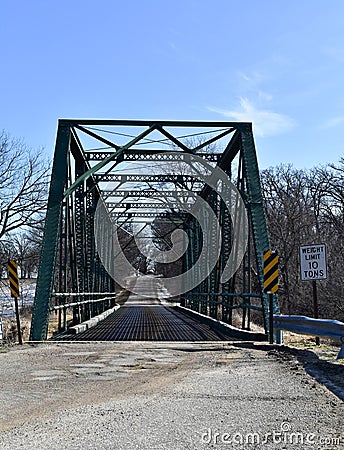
point(14, 287)
point(270, 259)
point(315, 307)
point(313, 267)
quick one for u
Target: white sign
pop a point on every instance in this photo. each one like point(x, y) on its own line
point(313, 262)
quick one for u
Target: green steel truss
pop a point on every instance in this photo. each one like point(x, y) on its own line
point(90, 155)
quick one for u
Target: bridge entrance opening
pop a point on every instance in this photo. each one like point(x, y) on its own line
point(146, 214)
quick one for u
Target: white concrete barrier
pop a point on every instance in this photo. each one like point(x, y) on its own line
point(75, 329)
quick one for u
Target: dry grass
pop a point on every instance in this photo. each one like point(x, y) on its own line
point(10, 329)
point(326, 351)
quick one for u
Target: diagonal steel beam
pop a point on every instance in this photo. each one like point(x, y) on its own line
point(105, 161)
point(96, 136)
point(214, 139)
point(176, 141)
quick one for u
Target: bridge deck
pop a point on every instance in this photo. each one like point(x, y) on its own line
point(148, 323)
point(148, 316)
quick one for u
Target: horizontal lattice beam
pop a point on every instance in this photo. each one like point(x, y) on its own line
point(148, 193)
point(148, 205)
point(147, 214)
point(146, 178)
point(148, 155)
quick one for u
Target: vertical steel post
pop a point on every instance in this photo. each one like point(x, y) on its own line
point(40, 316)
point(256, 208)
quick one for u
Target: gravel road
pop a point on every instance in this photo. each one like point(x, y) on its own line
point(163, 396)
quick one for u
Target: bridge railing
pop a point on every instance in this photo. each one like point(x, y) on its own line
point(84, 306)
point(311, 326)
point(81, 302)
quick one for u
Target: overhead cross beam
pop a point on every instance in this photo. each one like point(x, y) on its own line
point(120, 149)
point(144, 178)
point(146, 193)
point(148, 205)
point(135, 154)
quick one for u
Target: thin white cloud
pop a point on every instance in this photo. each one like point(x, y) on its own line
point(334, 122)
point(253, 78)
point(244, 77)
point(265, 122)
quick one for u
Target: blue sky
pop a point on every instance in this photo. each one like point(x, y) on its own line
point(278, 64)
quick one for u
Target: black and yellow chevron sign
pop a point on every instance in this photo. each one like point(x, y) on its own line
point(270, 271)
point(13, 277)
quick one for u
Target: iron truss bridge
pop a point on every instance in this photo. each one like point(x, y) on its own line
point(178, 200)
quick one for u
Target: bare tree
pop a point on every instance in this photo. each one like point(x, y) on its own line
point(329, 182)
point(289, 215)
point(23, 185)
point(23, 194)
point(305, 207)
point(26, 251)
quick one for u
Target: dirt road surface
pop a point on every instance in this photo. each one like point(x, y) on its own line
point(163, 396)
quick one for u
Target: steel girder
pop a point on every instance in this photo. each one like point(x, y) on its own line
point(149, 205)
point(69, 261)
point(144, 214)
point(146, 193)
point(132, 178)
point(148, 155)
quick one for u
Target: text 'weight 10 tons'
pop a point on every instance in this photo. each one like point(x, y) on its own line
point(313, 262)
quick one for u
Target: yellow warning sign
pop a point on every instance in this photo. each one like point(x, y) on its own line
point(13, 277)
point(270, 272)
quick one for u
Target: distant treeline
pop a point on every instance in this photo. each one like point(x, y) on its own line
point(307, 207)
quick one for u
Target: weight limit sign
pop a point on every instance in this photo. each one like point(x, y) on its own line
point(313, 262)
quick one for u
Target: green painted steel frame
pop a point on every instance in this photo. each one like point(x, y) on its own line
point(40, 316)
point(242, 143)
point(88, 273)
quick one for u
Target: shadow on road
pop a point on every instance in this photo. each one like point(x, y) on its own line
point(328, 373)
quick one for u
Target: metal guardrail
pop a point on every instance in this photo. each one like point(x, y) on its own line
point(83, 302)
point(81, 294)
point(104, 296)
point(314, 327)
